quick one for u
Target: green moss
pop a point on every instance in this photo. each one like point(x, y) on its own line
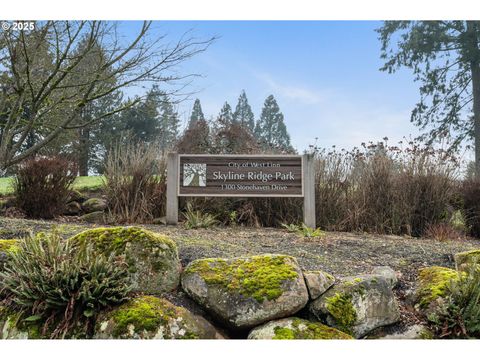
point(9, 246)
point(342, 311)
point(146, 313)
point(282, 333)
point(303, 329)
point(467, 258)
point(425, 334)
point(260, 277)
point(433, 283)
point(116, 239)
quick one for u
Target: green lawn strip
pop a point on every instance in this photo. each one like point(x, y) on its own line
point(82, 183)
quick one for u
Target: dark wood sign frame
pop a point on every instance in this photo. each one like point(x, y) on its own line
point(228, 193)
point(307, 184)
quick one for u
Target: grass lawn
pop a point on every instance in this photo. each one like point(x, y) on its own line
point(82, 183)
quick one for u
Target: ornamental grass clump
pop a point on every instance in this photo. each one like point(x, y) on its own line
point(196, 219)
point(61, 286)
point(135, 183)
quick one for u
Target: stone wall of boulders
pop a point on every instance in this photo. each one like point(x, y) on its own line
point(258, 297)
point(90, 208)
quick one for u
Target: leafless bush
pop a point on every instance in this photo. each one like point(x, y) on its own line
point(42, 186)
point(135, 183)
point(233, 138)
point(384, 189)
point(470, 190)
point(195, 140)
point(443, 232)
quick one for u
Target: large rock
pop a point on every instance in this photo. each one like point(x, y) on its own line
point(467, 258)
point(96, 217)
point(13, 327)
point(152, 258)
point(148, 317)
point(18, 325)
point(245, 292)
point(7, 247)
point(388, 273)
point(94, 204)
point(77, 196)
point(72, 208)
point(358, 305)
point(318, 282)
point(295, 328)
point(414, 332)
point(432, 287)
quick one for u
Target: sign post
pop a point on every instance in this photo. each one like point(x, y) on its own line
point(240, 176)
point(172, 184)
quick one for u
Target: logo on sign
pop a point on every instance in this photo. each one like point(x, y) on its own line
point(194, 174)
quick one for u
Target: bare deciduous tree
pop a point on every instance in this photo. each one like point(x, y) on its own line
point(44, 87)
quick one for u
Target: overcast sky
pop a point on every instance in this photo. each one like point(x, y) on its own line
point(324, 74)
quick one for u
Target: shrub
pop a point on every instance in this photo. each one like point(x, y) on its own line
point(459, 315)
point(304, 230)
point(471, 205)
point(52, 281)
point(309, 232)
point(195, 219)
point(42, 186)
point(442, 232)
point(135, 183)
point(291, 228)
point(384, 189)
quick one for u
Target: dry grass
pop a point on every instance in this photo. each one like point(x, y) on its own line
point(135, 183)
point(384, 189)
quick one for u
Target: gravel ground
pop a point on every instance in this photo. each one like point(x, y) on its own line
point(341, 254)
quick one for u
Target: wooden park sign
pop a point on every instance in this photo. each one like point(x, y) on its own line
point(240, 176)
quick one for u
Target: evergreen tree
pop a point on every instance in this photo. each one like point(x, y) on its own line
point(270, 130)
point(169, 124)
point(444, 56)
point(197, 114)
point(243, 112)
point(225, 116)
point(196, 139)
point(142, 120)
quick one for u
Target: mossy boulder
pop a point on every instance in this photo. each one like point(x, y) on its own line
point(295, 328)
point(18, 325)
point(96, 217)
point(94, 204)
point(152, 258)
point(247, 291)
point(357, 305)
point(318, 282)
point(149, 317)
point(388, 273)
point(72, 208)
point(7, 247)
point(77, 196)
point(413, 332)
point(467, 258)
point(12, 326)
point(432, 287)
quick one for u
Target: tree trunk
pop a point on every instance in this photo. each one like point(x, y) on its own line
point(476, 115)
point(473, 28)
point(83, 151)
